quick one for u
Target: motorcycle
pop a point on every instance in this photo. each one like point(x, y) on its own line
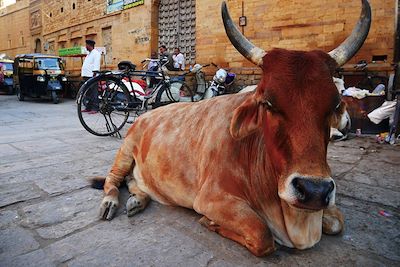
point(221, 80)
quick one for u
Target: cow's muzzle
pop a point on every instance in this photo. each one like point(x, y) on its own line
point(309, 193)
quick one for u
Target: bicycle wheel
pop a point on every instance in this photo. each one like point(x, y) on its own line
point(166, 94)
point(103, 105)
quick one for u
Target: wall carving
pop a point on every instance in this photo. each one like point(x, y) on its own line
point(36, 19)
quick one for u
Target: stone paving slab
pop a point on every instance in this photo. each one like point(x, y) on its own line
point(16, 241)
point(62, 215)
point(48, 213)
point(13, 193)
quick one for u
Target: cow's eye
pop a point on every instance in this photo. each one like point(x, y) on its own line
point(338, 106)
point(267, 104)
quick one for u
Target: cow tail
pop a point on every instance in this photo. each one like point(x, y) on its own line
point(97, 182)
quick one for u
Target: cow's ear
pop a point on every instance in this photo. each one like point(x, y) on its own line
point(247, 118)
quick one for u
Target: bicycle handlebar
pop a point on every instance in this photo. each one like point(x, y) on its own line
point(150, 59)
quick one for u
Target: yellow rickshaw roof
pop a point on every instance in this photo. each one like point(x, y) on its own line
point(36, 55)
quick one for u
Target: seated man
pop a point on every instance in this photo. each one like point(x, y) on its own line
point(153, 64)
point(179, 59)
point(166, 58)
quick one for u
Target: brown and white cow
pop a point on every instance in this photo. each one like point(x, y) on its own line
point(254, 164)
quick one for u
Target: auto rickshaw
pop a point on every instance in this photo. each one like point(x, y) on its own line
point(38, 75)
point(7, 84)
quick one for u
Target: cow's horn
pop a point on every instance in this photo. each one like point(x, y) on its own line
point(244, 46)
point(346, 50)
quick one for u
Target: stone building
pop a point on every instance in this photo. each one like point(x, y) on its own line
point(132, 29)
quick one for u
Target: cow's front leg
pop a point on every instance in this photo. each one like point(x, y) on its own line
point(234, 219)
point(122, 167)
point(332, 221)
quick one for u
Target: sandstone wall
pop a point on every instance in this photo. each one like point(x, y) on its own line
point(15, 37)
point(290, 24)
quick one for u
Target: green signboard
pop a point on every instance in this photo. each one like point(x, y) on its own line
point(72, 51)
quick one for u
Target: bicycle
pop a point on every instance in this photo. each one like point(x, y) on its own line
point(104, 102)
point(369, 79)
point(202, 89)
point(362, 77)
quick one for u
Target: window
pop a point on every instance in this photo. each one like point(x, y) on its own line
point(47, 63)
point(51, 14)
point(62, 44)
point(7, 66)
point(62, 10)
point(73, 6)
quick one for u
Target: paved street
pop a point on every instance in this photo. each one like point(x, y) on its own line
point(48, 213)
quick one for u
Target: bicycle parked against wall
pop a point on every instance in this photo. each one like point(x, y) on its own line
point(105, 102)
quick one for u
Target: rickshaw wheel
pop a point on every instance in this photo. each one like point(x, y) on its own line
point(54, 97)
point(20, 95)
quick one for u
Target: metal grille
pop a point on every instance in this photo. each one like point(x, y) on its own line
point(177, 27)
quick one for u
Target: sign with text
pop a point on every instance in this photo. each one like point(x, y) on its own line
point(71, 51)
point(79, 51)
point(132, 3)
point(118, 5)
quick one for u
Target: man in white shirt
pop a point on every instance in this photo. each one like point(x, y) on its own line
point(90, 64)
point(179, 59)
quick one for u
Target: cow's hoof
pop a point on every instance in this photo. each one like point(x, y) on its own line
point(134, 205)
point(108, 207)
point(331, 225)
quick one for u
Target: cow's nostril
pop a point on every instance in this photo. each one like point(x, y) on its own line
point(300, 189)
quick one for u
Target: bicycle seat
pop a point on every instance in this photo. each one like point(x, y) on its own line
point(126, 65)
point(101, 71)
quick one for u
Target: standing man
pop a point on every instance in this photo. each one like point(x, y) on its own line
point(179, 59)
point(166, 56)
point(90, 64)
